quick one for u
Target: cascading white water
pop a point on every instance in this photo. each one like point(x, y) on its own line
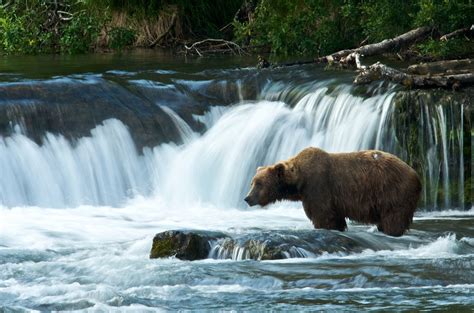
point(217, 167)
point(444, 145)
point(103, 169)
point(214, 168)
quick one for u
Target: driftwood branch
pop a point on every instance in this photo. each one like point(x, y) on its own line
point(379, 71)
point(351, 57)
point(386, 45)
point(446, 74)
point(64, 16)
point(210, 46)
point(441, 67)
point(458, 32)
point(4, 6)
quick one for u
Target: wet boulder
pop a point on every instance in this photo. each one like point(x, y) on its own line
point(262, 245)
point(184, 245)
point(73, 107)
point(275, 245)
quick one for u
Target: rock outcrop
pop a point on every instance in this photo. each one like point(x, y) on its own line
point(184, 245)
point(264, 245)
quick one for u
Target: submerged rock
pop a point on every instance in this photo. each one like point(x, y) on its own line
point(275, 245)
point(73, 107)
point(184, 245)
point(266, 245)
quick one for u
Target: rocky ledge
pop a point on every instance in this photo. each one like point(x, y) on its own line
point(265, 245)
point(184, 245)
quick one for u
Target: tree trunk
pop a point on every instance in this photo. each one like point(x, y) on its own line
point(463, 31)
point(386, 45)
point(449, 66)
point(379, 71)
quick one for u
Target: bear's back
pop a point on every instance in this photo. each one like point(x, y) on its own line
point(372, 181)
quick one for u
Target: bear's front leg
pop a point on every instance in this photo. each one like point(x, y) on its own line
point(334, 223)
point(324, 217)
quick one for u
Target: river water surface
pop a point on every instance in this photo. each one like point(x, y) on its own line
point(170, 143)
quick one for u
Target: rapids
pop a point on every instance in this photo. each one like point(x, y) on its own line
point(79, 206)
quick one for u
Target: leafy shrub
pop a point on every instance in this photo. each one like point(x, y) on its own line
point(445, 15)
point(299, 27)
point(11, 32)
point(382, 19)
point(80, 33)
point(121, 37)
point(22, 34)
point(321, 27)
point(453, 48)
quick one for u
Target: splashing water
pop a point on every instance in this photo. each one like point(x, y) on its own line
point(213, 168)
point(94, 254)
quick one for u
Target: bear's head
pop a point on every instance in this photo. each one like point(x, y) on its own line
point(273, 183)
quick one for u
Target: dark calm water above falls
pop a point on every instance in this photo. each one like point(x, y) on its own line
point(98, 153)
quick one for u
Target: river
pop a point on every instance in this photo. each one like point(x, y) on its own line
point(98, 153)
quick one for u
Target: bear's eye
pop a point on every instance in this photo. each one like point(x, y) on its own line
point(258, 184)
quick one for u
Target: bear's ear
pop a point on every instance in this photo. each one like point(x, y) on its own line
point(280, 169)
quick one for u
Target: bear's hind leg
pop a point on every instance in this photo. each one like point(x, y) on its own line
point(394, 224)
point(340, 224)
point(380, 227)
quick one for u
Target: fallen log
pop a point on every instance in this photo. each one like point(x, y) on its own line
point(458, 32)
point(379, 71)
point(386, 45)
point(449, 66)
point(351, 57)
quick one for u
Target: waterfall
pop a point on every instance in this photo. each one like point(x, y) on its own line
point(216, 167)
point(430, 135)
point(104, 169)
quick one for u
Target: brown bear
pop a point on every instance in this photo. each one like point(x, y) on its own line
point(372, 187)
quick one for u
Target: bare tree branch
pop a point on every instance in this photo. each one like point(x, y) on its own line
point(458, 32)
point(398, 42)
point(214, 45)
point(440, 67)
point(379, 71)
point(4, 6)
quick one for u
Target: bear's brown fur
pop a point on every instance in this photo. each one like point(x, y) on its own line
point(368, 186)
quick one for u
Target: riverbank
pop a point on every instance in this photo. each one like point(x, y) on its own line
point(72, 27)
point(281, 28)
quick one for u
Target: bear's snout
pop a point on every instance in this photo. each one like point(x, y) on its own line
point(250, 201)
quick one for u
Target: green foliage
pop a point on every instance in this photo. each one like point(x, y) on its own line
point(319, 27)
point(445, 15)
point(453, 48)
point(121, 37)
point(79, 34)
point(35, 27)
point(20, 33)
point(11, 32)
point(382, 19)
point(299, 27)
point(285, 27)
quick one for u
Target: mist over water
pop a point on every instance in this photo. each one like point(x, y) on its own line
point(77, 216)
